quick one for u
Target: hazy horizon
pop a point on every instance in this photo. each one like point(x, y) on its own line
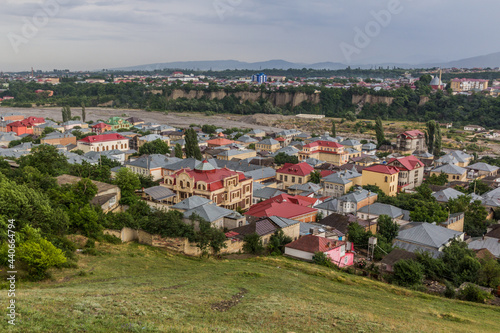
point(96, 34)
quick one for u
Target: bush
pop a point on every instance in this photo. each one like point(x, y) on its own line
point(39, 256)
point(473, 293)
point(253, 244)
point(450, 290)
point(320, 258)
point(408, 273)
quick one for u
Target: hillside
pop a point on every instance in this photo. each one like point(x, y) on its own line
point(135, 288)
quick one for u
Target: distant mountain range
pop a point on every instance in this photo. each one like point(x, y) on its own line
point(491, 60)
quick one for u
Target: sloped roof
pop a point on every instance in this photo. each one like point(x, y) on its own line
point(408, 162)
point(209, 212)
point(219, 142)
point(267, 192)
point(382, 209)
point(191, 203)
point(103, 138)
point(270, 142)
point(323, 143)
point(396, 255)
point(330, 205)
point(450, 169)
point(447, 194)
point(380, 168)
point(426, 234)
point(313, 244)
point(482, 167)
point(282, 222)
point(357, 196)
point(261, 228)
point(283, 209)
point(159, 192)
point(300, 169)
point(491, 244)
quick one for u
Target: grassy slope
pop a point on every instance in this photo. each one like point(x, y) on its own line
point(141, 289)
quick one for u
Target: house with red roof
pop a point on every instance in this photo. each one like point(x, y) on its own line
point(219, 142)
point(411, 141)
point(226, 188)
point(101, 127)
point(328, 151)
point(305, 247)
point(384, 176)
point(287, 206)
point(411, 172)
point(294, 174)
point(25, 126)
point(103, 142)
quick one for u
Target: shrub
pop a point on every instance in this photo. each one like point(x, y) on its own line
point(253, 244)
point(408, 273)
point(39, 256)
point(450, 290)
point(320, 258)
point(473, 293)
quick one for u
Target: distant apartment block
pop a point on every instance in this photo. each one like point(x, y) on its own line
point(461, 85)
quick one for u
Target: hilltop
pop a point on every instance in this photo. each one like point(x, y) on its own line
point(135, 288)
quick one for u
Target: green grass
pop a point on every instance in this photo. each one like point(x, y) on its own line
point(136, 288)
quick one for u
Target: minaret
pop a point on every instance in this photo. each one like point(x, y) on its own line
point(440, 82)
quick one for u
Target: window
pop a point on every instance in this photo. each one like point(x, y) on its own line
point(281, 177)
point(286, 178)
point(300, 180)
point(386, 179)
point(293, 179)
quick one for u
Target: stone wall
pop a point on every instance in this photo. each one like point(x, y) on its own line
point(181, 245)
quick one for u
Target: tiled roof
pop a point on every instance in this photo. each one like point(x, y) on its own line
point(103, 138)
point(409, 162)
point(214, 178)
point(322, 143)
point(300, 169)
point(313, 244)
point(380, 168)
point(450, 169)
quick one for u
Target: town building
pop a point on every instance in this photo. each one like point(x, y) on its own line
point(383, 176)
point(101, 127)
point(307, 246)
point(226, 188)
point(284, 205)
point(292, 174)
point(328, 151)
point(411, 141)
point(270, 145)
point(339, 183)
point(452, 172)
point(103, 142)
point(461, 85)
point(411, 172)
point(117, 123)
point(56, 138)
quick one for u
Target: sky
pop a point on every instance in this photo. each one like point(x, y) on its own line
point(97, 34)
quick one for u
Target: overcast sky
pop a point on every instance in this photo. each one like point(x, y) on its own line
point(96, 34)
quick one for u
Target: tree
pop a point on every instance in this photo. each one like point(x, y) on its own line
point(127, 181)
point(387, 228)
point(334, 130)
point(253, 244)
point(320, 258)
point(440, 180)
point(438, 143)
point(473, 293)
point(489, 274)
point(66, 113)
point(358, 235)
point(379, 132)
point(460, 263)
point(47, 159)
point(178, 151)
point(429, 135)
point(282, 158)
point(84, 115)
point(157, 146)
point(208, 236)
point(315, 177)
point(192, 147)
point(278, 241)
point(408, 273)
point(475, 223)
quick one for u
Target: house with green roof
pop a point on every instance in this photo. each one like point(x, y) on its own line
point(117, 123)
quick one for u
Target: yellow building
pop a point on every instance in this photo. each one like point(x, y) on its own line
point(328, 151)
point(267, 145)
point(383, 176)
point(452, 171)
point(294, 174)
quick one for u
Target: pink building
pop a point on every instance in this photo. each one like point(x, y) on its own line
point(339, 252)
